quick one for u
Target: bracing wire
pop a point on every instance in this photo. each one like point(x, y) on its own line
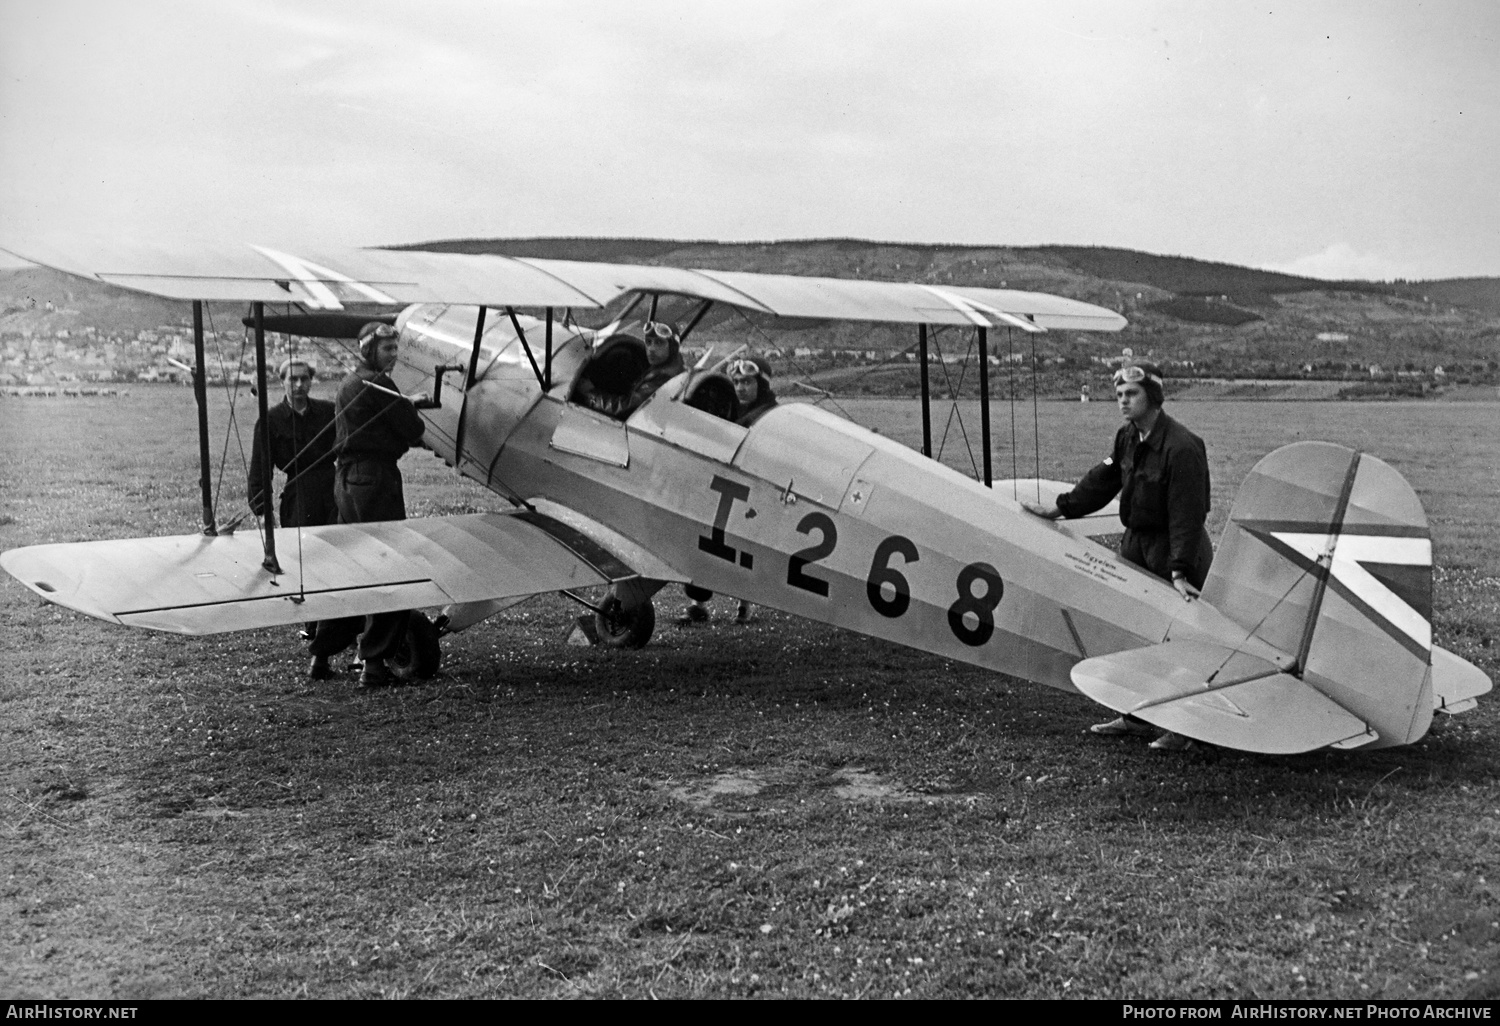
point(954, 392)
point(233, 394)
point(1250, 632)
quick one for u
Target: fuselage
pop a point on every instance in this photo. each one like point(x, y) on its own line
point(804, 512)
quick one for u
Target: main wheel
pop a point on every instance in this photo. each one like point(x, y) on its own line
point(619, 629)
point(419, 653)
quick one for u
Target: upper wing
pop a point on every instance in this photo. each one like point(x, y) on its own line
point(787, 295)
point(327, 279)
point(194, 584)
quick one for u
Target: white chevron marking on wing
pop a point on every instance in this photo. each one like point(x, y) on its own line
point(311, 277)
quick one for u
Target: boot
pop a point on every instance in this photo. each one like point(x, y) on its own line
point(375, 674)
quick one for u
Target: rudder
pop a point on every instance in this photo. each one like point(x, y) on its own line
point(1328, 557)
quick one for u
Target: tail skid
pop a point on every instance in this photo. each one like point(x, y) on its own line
point(1328, 559)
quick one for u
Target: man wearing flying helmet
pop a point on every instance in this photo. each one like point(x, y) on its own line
point(752, 385)
point(1159, 469)
point(663, 363)
point(375, 426)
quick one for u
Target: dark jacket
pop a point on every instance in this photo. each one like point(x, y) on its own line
point(1162, 482)
point(764, 400)
point(622, 406)
point(373, 424)
point(301, 447)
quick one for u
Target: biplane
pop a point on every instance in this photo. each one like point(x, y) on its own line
point(1313, 630)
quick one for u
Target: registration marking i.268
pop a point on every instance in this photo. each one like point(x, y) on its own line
point(979, 586)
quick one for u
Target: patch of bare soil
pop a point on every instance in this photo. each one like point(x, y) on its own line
point(846, 783)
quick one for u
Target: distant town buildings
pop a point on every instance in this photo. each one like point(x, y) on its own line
point(72, 355)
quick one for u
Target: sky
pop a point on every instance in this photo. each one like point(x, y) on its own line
point(1332, 139)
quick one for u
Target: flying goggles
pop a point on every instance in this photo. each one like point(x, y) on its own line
point(377, 331)
point(1134, 376)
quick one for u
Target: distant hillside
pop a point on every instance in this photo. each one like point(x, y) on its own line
point(1188, 277)
point(1475, 293)
point(1178, 275)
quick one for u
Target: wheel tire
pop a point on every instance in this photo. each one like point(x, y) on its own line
point(419, 654)
point(618, 629)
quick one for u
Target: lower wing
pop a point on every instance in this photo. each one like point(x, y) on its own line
point(196, 584)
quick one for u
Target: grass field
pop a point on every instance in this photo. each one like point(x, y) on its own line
point(779, 808)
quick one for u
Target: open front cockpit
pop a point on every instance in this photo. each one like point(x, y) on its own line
point(605, 385)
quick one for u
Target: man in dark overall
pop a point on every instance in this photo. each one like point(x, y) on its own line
point(302, 439)
point(375, 427)
point(301, 447)
point(1160, 471)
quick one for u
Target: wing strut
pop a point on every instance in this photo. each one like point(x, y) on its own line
point(926, 394)
point(547, 356)
point(200, 396)
point(697, 316)
point(984, 399)
point(521, 335)
point(463, 410)
point(269, 563)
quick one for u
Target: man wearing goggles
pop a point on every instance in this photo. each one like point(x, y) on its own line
point(1134, 374)
point(375, 429)
point(1159, 469)
point(751, 376)
point(752, 386)
point(663, 363)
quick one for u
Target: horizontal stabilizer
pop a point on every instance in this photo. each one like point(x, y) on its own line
point(1221, 696)
point(1456, 683)
point(194, 584)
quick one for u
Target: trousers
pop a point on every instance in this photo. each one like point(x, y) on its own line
point(366, 490)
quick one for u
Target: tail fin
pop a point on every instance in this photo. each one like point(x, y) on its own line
point(1328, 557)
